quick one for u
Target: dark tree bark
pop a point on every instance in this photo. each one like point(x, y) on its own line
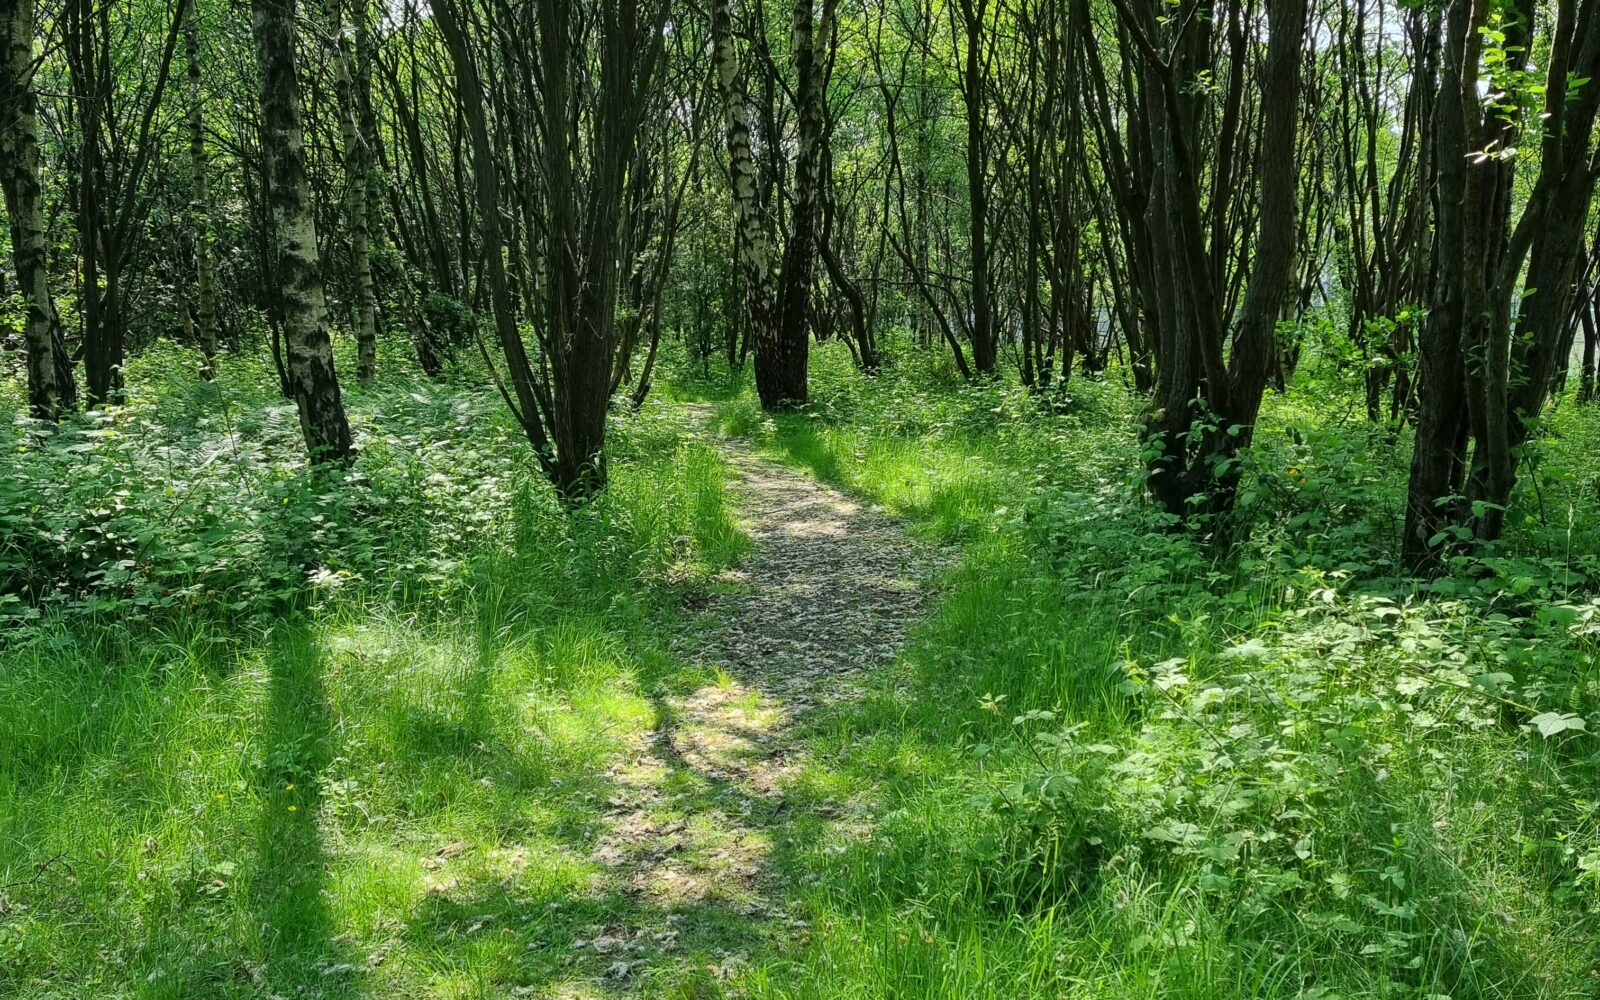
point(527, 406)
point(985, 343)
point(1207, 398)
point(781, 372)
point(1485, 381)
point(574, 166)
point(200, 203)
point(1586, 371)
point(357, 169)
point(114, 151)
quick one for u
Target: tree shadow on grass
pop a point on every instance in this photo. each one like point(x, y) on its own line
point(162, 895)
point(498, 792)
point(634, 915)
point(800, 444)
point(956, 504)
point(290, 877)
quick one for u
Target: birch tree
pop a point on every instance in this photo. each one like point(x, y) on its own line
point(312, 380)
point(751, 233)
point(50, 386)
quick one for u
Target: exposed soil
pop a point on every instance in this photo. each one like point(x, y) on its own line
point(829, 591)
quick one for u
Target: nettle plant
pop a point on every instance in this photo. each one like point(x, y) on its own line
point(188, 501)
point(1336, 765)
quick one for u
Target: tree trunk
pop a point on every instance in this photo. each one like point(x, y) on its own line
point(101, 360)
point(200, 205)
point(785, 365)
point(984, 342)
point(1438, 459)
point(112, 202)
point(1255, 348)
point(527, 406)
point(1484, 382)
point(50, 387)
point(776, 366)
point(1204, 411)
point(310, 370)
point(357, 167)
point(1586, 373)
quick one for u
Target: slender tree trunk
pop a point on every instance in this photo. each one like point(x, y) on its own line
point(786, 366)
point(200, 205)
point(1205, 407)
point(111, 208)
point(527, 405)
point(1586, 373)
point(866, 351)
point(310, 369)
point(50, 387)
point(101, 360)
point(581, 287)
point(751, 242)
point(1484, 381)
point(357, 167)
point(984, 342)
point(1438, 458)
point(861, 333)
point(1255, 345)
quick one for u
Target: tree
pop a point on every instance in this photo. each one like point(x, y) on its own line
point(116, 119)
point(974, 87)
point(781, 366)
point(50, 387)
point(352, 84)
point(1485, 377)
point(1385, 225)
point(312, 380)
point(780, 362)
point(571, 150)
point(200, 204)
point(1207, 398)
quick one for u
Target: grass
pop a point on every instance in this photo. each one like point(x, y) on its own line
point(356, 797)
point(364, 784)
point(1112, 763)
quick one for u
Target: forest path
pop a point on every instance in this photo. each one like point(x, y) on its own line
point(708, 801)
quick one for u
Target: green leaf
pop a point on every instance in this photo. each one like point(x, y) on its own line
point(1553, 723)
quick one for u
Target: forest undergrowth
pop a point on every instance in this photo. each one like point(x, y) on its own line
point(1120, 763)
point(268, 733)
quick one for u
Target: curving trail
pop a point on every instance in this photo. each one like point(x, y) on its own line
point(829, 591)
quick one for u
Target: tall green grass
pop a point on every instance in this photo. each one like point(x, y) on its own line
point(360, 743)
point(373, 777)
point(1118, 763)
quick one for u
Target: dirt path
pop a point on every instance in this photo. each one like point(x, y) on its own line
point(829, 591)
